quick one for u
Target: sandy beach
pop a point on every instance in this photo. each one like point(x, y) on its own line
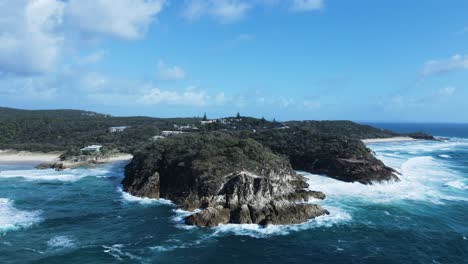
point(392, 139)
point(13, 156)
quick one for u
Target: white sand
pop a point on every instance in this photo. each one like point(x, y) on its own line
point(13, 156)
point(392, 139)
point(120, 157)
point(26, 156)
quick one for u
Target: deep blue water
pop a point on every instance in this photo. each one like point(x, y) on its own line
point(444, 130)
point(81, 216)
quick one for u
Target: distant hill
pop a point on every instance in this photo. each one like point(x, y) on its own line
point(58, 130)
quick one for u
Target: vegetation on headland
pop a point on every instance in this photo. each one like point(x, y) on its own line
point(232, 179)
point(66, 130)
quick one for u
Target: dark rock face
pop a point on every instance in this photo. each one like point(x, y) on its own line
point(232, 180)
point(337, 157)
point(421, 135)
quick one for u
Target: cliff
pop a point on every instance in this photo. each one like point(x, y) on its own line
point(343, 158)
point(232, 179)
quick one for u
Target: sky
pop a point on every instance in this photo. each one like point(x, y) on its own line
point(361, 60)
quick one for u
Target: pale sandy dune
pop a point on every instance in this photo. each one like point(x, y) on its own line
point(26, 156)
point(392, 139)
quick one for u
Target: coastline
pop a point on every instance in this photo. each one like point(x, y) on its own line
point(386, 140)
point(13, 156)
point(9, 156)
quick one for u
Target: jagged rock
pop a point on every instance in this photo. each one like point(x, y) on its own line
point(232, 180)
point(341, 158)
point(209, 217)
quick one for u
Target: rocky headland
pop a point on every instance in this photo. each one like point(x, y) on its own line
point(342, 158)
point(231, 179)
point(67, 161)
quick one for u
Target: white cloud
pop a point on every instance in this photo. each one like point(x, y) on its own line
point(91, 58)
point(448, 91)
point(32, 32)
point(224, 10)
point(306, 5)
point(188, 97)
point(28, 40)
point(233, 10)
point(170, 72)
point(126, 19)
point(434, 67)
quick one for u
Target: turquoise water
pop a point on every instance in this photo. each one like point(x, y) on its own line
point(82, 216)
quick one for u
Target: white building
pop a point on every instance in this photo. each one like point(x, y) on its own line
point(207, 122)
point(92, 148)
point(157, 137)
point(117, 129)
point(171, 133)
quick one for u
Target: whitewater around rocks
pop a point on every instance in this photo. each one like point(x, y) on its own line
point(85, 213)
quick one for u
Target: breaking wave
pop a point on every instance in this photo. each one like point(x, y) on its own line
point(61, 242)
point(422, 179)
point(68, 175)
point(13, 219)
point(142, 200)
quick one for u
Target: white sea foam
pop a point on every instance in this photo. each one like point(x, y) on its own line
point(68, 175)
point(420, 147)
point(142, 200)
point(445, 156)
point(12, 218)
point(117, 251)
point(458, 184)
point(61, 242)
point(337, 216)
point(421, 179)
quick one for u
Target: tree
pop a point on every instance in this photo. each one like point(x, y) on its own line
point(263, 119)
point(238, 116)
point(204, 117)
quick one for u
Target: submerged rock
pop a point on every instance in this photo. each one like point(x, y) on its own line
point(232, 180)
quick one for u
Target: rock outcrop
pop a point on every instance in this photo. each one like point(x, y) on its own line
point(232, 180)
point(342, 158)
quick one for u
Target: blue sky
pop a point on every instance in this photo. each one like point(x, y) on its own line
point(362, 60)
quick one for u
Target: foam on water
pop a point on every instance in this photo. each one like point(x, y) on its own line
point(422, 179)
point(458, 184)
point(142, 200)
point(337, 216)
point(68, 175)
point(420, 147)
point(445, 156)
point(118, 252)
point(13, 219)
point(61, 242)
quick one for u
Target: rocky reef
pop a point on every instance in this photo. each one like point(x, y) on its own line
point(343, 158)
point(231, 179)
point(71, 161)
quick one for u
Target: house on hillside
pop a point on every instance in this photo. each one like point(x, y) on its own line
point(171, 133)
point(157, 137)
point(204, 122)
point(117, 129)
point(91, 149)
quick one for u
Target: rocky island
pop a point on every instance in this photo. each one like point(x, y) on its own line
point(232, 180)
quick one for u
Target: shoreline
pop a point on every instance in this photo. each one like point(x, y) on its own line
point(9, 156)
point(35, 158)
point(386, 140)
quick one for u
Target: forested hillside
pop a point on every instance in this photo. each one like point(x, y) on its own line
point(59, 130)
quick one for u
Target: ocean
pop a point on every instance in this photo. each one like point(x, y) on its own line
point(82, 216)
